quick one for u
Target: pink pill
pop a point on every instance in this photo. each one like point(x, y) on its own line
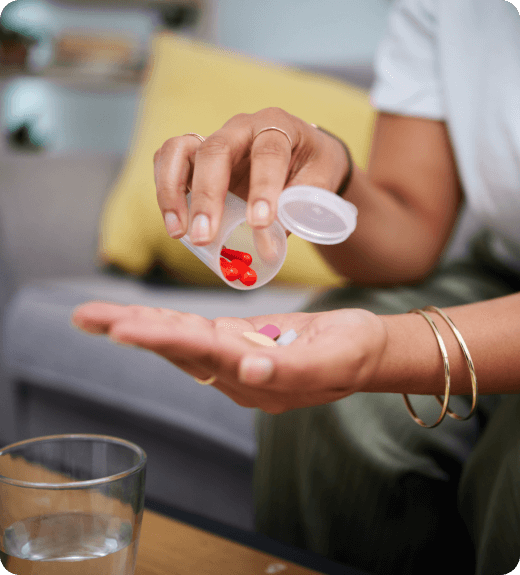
point(270, 330)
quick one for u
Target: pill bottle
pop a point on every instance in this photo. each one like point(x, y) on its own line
point(312, 213)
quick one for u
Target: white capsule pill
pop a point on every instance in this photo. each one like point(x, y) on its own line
point(287, 337)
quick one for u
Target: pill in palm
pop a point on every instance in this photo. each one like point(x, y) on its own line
point(287, 338)
point(235, 254)
point(270, 330)
point(229, 270)
point(260, 338)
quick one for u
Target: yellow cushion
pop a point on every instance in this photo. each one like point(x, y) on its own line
point(193, 87)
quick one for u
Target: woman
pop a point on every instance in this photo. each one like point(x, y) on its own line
point(351, 475)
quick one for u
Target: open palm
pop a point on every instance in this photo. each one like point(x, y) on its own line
point(335, 354)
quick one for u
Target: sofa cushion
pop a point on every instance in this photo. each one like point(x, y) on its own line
point(41, 347)
point(196, 88)
point(50, 206)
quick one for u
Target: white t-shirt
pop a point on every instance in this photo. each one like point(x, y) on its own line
point(459, 61)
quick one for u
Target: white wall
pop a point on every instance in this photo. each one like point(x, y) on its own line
point(330, 32)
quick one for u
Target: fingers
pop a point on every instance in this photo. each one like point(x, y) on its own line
point(271, 153)
point(97, 316)
point(229, 155)
point(271, 378)
point(255, 156)
point(221, 158)
point(213, 165)
point(173, 166)
point(200, 346)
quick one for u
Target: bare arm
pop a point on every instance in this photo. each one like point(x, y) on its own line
point(412, 361)
point(338, 352)
point(407, 201)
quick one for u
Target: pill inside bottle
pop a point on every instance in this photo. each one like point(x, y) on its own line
point(263, 250)
point(265, 255)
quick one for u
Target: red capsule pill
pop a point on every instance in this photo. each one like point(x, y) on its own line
point(249, 278)
point(234, 254)
point(229, 270)
point(247, 275)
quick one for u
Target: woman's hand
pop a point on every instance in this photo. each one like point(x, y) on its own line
point(255, 168)
point(335, 355)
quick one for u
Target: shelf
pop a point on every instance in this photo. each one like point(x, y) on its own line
point(133, 3)
point(79, 79)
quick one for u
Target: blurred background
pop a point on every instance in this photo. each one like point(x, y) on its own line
point(71, 76)
point(70, 70)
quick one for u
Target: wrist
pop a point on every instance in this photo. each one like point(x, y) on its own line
point(347, 177)
point(411, 362)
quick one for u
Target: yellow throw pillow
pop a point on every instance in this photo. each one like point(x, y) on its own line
point(193, 87)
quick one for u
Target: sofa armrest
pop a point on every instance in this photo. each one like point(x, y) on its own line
point(50, 208)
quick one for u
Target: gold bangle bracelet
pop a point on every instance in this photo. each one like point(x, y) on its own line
point(468, 359)
point(447, 379)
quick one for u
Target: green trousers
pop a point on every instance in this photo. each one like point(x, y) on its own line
point(359, 482)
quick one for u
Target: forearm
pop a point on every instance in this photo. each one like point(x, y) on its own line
point(394, 242)
point(412, 361)
point(407, 202)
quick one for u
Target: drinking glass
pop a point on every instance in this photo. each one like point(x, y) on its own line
point(71, 505)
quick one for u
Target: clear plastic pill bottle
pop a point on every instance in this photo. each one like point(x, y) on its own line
point(312, 213)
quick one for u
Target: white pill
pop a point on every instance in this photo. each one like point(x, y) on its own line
point(287, 337)
point(260, 338)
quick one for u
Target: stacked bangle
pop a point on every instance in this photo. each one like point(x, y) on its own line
point(469, 361)
point(447, 377)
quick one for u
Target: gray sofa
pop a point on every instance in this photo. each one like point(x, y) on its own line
point(55, 379)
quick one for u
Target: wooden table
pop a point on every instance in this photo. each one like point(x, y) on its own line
point(172, 541)
point(170, 547)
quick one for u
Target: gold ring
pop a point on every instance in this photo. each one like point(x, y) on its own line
point(210, 381)
point(198, 136)
point(278, 130)
point(259, 338)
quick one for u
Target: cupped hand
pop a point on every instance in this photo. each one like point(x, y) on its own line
point(335, 355)
point(255, 166)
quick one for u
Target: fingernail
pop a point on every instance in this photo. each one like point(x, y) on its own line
point(200, 229)
point(76, 322)
point(172, 223)
point(116, 339)
point(83, 327)
point(260, 213)
point(265, 245)
point(255, 369)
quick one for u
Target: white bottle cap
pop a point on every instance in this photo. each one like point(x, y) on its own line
point(316, 215)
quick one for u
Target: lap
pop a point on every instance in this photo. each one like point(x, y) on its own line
point(488, 497)
point(320, 469)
